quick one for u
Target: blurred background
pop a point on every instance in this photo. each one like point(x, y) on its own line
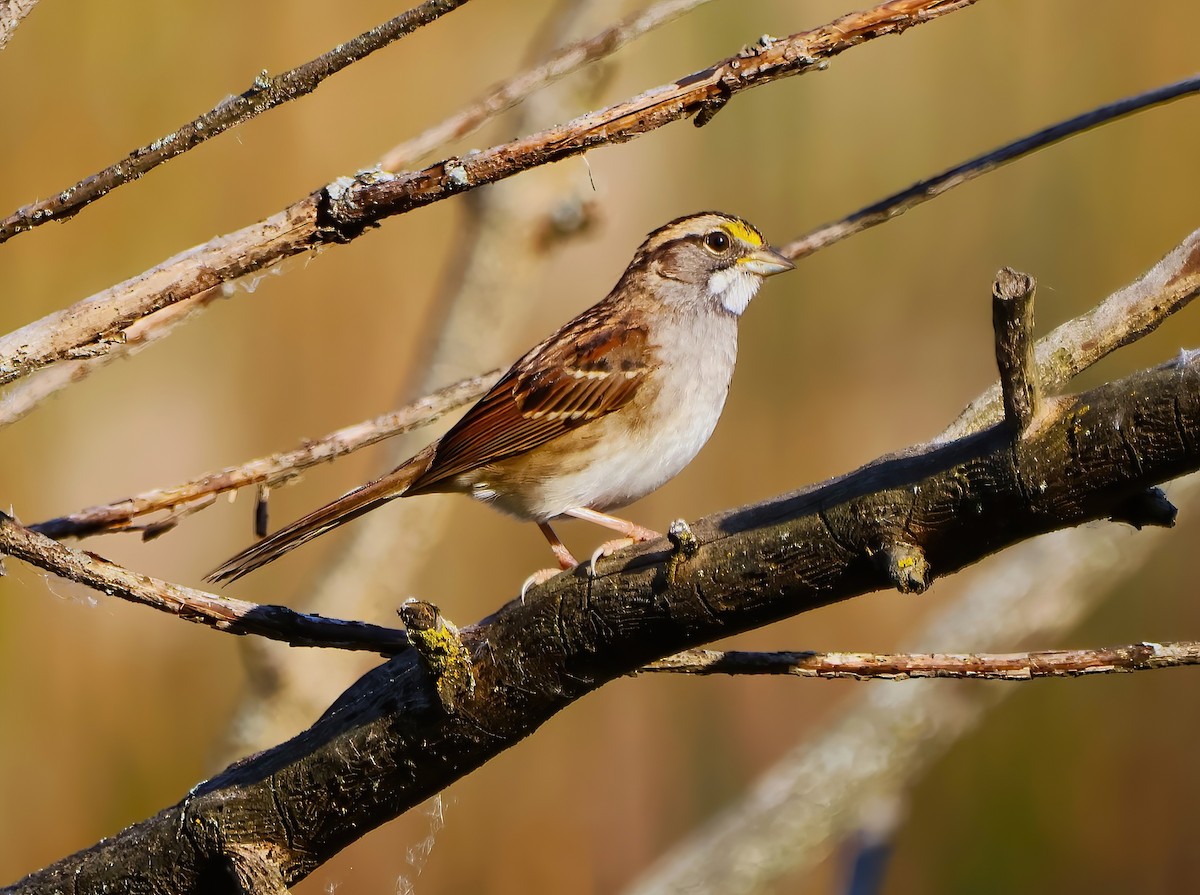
point(111, 712)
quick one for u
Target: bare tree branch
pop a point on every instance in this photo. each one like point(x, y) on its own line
point(218, 613)
point(11, 13)
point(514, 229)
point(922, 191)
point(884, 738)
point(1122, 318)
point(426, 717)
point(506, 94)
point(263, 95)
point(273, 470)
point(1012, 323)
point(342, 211)
point(902, 666)
point(24, 396)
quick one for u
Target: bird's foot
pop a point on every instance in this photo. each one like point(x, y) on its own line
point(541, 576)
point(637, 535)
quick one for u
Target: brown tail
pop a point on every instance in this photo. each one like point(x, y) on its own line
point(349, 506)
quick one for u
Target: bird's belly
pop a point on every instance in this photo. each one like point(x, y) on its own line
point(614, 477)
point(594, 472)
point(604, 465)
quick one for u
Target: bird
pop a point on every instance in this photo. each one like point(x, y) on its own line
point(606, 410)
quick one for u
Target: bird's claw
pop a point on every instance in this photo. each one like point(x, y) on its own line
point(608, 548)
point(541, 576)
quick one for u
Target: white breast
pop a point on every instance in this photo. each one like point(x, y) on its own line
point(698, 355)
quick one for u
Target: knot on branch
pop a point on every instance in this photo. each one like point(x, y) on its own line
point(441, 652)
point(686, 546)
point(906, 567)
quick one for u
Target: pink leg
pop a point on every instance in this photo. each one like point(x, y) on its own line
point(561, 553)
point(628, 529)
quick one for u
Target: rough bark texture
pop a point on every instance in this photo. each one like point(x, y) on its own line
point(393, 739)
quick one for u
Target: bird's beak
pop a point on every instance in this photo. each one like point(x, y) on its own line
point(765, 262)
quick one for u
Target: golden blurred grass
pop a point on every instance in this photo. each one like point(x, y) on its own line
point(111, 712)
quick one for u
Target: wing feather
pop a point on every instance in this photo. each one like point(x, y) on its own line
point(586, 371)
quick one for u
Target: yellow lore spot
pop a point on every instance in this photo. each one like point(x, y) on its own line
point(743, 232)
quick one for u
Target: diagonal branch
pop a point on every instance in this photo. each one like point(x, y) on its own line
point(503, 96)
point(1121, 319)
point(24, 397)
point(219, 613)
point(406, 730)
point(272, 470)
point(902, 666)
point(263, 95)
point(964, 172)
point(343, 210)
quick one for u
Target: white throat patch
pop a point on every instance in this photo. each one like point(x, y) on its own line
point(734, 288)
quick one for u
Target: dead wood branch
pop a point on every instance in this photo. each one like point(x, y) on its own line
point(924, 190)
point(273, 470)
point(902, 666)
point(219, 613)
point(389, 741)
point(343, 210)
point(503, 96)
point(263, 95)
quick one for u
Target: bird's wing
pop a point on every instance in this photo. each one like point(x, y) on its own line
point(587, 370)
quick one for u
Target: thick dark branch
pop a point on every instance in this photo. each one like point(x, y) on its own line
point(390, 741)
point(218, 613)
point(263, 95)
point(345, 209)
point(976, 666)
point(274, 470)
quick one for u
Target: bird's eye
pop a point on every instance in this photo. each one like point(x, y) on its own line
point(717, 241)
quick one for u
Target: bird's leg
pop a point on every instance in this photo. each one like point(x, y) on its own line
point(561, 553)
point(631, 530)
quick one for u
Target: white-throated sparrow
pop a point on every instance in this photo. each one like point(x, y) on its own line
point(603, 412)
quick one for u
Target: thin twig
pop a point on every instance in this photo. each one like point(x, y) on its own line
point(506, 94)
point(932, 187)
point(901, 666)
point(221, 614)
point(343, 210)
point(273, 470)
point(263, 95)
point(11, 13)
